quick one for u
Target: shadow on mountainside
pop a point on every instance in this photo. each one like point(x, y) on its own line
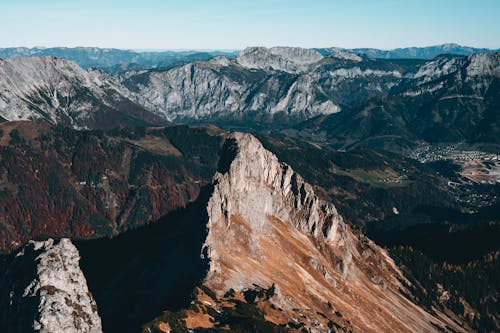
point(139, 274)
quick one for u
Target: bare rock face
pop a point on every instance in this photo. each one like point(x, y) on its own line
point(44, 290)
point(223, 89)
point(484, 64)
point(268, 228)
point(61, 92)
point(287, 59)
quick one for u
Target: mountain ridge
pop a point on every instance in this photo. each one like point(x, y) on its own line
point(440, 100)
point(267, 229)
point(60, 91)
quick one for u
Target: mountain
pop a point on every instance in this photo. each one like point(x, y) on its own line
point(270, 88)
point(113, 60)
point(44, 290)
point(59, 91)
point(267, 228)
point(144, 203)
point(264, 236)
point(287, 59)
point(223, 90)
point(449, 99)
point(427, 52)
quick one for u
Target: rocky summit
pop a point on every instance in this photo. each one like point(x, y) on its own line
point(267, 229)
point(287, 59)
point(44, 290)
point(61, 92)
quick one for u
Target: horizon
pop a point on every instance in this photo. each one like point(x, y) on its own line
point(229, 25)
point(138, 50)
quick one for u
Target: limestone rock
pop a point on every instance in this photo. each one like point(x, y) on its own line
point(268, 228)
point(44, 290)
point(61, 92)
point(287, 59)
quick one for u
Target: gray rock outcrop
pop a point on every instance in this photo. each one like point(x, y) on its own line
point(43, 290)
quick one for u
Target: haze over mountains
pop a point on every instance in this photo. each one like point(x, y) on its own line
point(109, 58)
point(128, 203)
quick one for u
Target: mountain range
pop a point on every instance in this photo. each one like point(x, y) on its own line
point(345, 99)
point(113, 60)
point(426, 52)
point(268, 190)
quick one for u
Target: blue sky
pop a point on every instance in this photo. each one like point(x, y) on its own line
point(225, 24)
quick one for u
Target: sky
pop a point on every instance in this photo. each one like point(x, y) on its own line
point(226, 24)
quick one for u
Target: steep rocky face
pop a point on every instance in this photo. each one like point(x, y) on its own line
point(267, 228)
point(288, 59)
point(453, 99)
point(474, 73)
point(221, 89)
point(44, 290)
point(354, 81)
point(59, 91)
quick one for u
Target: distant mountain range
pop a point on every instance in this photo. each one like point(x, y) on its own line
point(427, 52)
point(115, 60)
point(346, 99)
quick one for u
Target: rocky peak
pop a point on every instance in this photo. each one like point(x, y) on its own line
point(288, 59)
point(33, 71)
point(439, 67)
point(345, 56)
point(61, 92)
point(44, 290)
point(220, 61)
point(44, 87)
point(267, 228)
point(255, 171)
point(484, 64)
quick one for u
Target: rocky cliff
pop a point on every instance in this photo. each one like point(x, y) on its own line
point(59, 91)
point(287, 59)
point(267, 228)
point(44, 290)
point(224, 90)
